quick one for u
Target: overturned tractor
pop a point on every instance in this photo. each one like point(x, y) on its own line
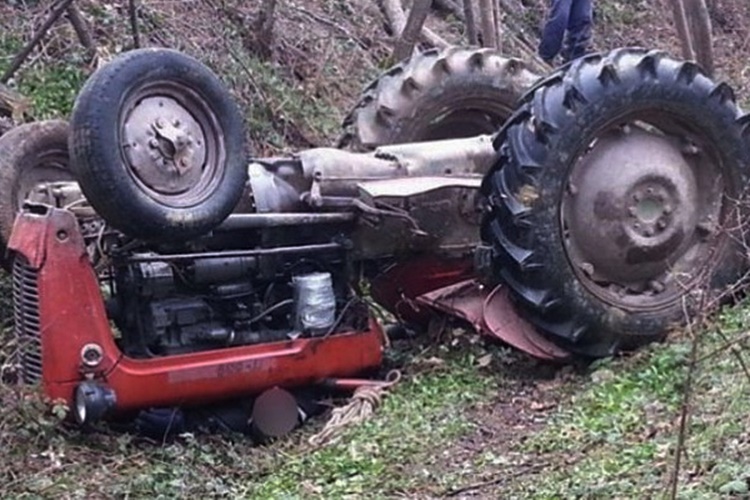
point(586, 216)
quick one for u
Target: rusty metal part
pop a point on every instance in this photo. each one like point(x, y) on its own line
point(490, 312)
point(172, 143)
point(253, 221)
point(642, 202)
point(299, 249)
point(275, 414)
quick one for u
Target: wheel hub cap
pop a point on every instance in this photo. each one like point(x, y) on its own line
point(164, 145)
point(633, 208)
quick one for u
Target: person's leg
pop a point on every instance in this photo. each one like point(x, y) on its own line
point(579, 29)
point(554, 29)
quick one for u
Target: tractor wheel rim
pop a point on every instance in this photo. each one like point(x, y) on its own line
point(172, 144)
point(641, 211)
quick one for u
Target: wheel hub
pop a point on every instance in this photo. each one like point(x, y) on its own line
point(164, 144)
point(632, 209)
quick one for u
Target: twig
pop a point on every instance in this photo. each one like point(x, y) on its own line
point(736, 353)
point(496, 480)
point(57, 11)
point(686, 398)
point(331, 24)
point(133, 11)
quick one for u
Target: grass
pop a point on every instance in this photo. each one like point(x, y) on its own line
point(513, 429)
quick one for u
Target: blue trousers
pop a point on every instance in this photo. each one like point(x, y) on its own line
point(573, 16)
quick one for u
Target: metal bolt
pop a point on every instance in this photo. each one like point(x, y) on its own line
point(656, 286)
point(587, 268)
point(160, 123)
point(705, 228)
point(632, 211)
point(637, 196)
point(648, 231)
point(690, 149)
point(153, 143)
point(662, 224)
point(667, 209)
point(636, 225)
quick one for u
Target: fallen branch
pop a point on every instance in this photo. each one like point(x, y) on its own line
point(57, 11)
point(397, 19)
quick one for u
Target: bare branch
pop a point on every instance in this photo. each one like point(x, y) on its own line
point(57, 11)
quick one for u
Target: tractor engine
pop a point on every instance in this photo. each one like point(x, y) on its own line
point(180, 307)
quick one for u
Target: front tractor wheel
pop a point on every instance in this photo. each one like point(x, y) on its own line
point(617, 197)
point(158, 145)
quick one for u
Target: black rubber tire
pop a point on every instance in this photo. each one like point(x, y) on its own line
point(30, 153)
point(437, 94)
point(538, 147)
point(99, 162)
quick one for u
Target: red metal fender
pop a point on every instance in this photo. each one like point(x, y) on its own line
point(71, 316)
point(491, 313)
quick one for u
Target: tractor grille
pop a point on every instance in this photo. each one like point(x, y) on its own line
point(26, 315)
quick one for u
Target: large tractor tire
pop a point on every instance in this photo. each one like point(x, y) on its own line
point(29, 154)
point(158, 145)
point(616, 200)
point(437, 94)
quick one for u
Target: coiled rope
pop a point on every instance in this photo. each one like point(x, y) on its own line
point(365, 400)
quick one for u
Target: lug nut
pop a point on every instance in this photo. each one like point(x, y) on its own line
point(587, 268)
point(656, 286)
point(160, 123)
point(662, 224)
point(153, 143)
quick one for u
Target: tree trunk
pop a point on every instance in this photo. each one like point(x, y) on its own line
point(683, 32)
point(471, 25)
point(415, 21)
point(699, 26)
point(488, 23)
point(397, 19)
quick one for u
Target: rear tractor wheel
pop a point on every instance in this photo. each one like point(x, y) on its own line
point(614, 200)
point(437, 94)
